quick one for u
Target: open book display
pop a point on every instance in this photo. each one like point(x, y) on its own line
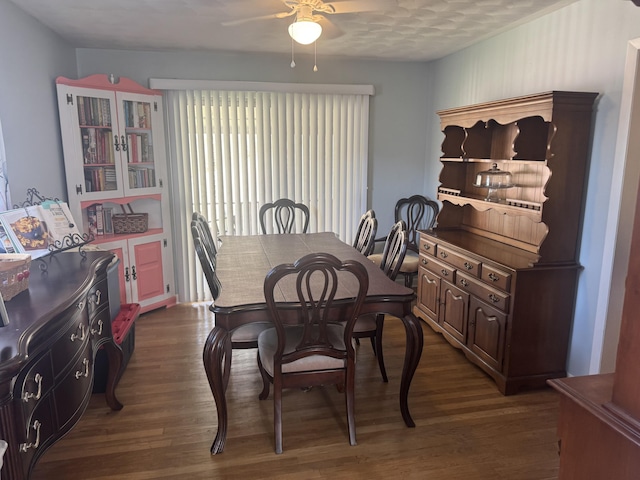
point(39, 229)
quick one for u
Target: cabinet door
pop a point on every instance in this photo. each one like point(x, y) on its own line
point(428, 293)
point(120, 248)
point(147, 269)
point(90, 137)
point(487, 332)
point(140, 121)
point(454, 305)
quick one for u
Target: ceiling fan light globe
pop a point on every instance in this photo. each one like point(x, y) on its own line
point(305, 31)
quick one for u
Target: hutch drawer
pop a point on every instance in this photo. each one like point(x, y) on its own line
point(485, 293)
point(463, 262)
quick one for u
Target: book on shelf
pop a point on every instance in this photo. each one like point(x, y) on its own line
point(92, 220)
point(107, 213)
point(99, 219)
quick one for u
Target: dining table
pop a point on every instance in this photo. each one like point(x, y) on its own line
point(243, 262)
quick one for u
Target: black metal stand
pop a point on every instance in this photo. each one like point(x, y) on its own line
point(68, 242)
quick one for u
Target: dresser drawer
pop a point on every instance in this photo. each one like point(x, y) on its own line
point(34, 384)
point(496, 277)
point(462, 262)
point(439, 268)
point(72, 340)
point(97, 297)
point(427, 245)
point(36, 432)
point(487, 294)
point(72, 391)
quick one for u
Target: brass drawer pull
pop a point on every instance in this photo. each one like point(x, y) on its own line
point(425, 262)
point(464, 283)
point(494, 298)
point(82, 335)
point(444, 272)
point(493, 277)
point(78, 374)
point(426, 246)
point(99, 330)
point(443, 254)
point(26, 396)
point(98, 297)
point(26, 446)
point(468, 266)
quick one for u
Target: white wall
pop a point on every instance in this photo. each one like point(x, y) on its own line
point(580, 47)
point(399, 108)
point(31, 57)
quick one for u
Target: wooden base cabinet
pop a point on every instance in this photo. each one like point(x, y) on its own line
point(498, 275)
point(143, 262)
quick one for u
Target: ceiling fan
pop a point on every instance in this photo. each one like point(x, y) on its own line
point(309, 14)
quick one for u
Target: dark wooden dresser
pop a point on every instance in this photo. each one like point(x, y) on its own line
point(47, 354)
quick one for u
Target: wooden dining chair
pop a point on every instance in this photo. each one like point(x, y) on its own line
point(209, 243)
point(282, 213)
point(370, 325)
point(366, 234)
point(206, 258)
point(418, 213)
point(245, 336)
point(311, 343)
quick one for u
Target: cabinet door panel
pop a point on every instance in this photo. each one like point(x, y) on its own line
point(487, 332)
point(429, 293)
point(454, 306)
point(147, 265)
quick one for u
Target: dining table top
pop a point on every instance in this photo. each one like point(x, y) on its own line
point(243, 262)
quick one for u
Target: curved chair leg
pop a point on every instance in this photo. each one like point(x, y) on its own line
point(266, 381)
point(378, 346)
point(277, 413)
point(350, 400)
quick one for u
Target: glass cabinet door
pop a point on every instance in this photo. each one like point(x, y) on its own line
point(137, 114)
point(100, 146)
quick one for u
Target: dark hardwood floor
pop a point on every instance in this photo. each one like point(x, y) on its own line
point(465, 429)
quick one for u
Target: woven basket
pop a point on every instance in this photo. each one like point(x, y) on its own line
point(130, 222)
point(14, 274)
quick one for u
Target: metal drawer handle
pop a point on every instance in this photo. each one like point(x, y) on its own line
point(464, 283)
point(493, 277)
point(98, 297)
point(443, 254)
point(82, 336)
point(444, 272)
point(80, 305)
point(26, 446)
point(85, 362)
point(493, 298)
point(468, 266)
point(26, 396)
point(99, 331)
point(426, 246)
point(424, 262)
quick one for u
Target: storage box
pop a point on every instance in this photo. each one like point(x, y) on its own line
point(123, 329)
point(129, 222)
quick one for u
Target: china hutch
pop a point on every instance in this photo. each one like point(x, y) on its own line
point(498, 275)
point(115, 163)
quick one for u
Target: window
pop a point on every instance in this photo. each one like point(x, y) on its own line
point(232, 150)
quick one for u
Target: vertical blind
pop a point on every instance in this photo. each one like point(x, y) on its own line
point(232, 151)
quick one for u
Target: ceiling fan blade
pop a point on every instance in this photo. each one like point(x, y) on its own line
point(329, 29)
point(262, 17)
point(353, 6)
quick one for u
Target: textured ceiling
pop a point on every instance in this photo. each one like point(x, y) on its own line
point(416, 30)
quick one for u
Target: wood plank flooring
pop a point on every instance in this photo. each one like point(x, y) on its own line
point(464, 427)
